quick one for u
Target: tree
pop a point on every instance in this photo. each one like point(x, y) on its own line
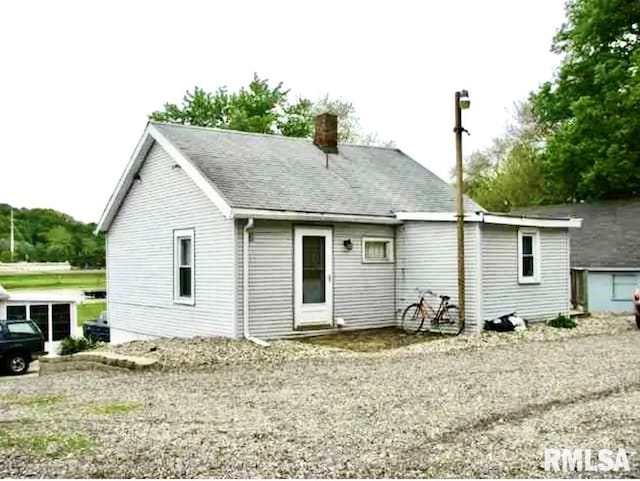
point(258, 108)
point(48, 235)
point(509, 173)
point(264, 109)
point(591, 109)
point(60, 243)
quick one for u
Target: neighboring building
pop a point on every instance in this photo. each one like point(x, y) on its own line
point(19, 267)
point(54, 312)
point(605, 253)
point(219, 233)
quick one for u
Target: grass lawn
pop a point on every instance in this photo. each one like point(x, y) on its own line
point(64, 280)
point(88, 311)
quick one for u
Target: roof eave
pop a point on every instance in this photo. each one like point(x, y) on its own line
point(489, 218)
point(246, 213)
point(150, 135)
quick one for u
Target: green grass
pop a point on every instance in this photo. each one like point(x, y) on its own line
point(88, 311)
point(114, 408)
point(30, 400)
point(369, 340)
point(65, 280)
point(50, 444)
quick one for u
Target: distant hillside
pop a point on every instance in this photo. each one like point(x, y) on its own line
point(45, 235)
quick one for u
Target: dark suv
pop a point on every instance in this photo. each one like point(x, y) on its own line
point(20, 341)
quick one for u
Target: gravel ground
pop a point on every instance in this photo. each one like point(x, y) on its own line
point(205, 353)
point(488, 410)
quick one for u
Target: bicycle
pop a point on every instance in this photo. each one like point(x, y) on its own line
point(445, 320)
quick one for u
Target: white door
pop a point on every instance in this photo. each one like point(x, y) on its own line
point(313, 276)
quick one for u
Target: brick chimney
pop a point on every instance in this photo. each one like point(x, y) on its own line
point(326, 136)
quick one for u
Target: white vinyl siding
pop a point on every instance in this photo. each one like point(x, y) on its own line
point(426, 258)
point(502, 293)
point(363, 293)
point(140, 257)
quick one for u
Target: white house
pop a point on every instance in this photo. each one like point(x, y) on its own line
point(219, 233)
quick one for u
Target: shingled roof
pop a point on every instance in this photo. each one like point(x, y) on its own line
point(282, 173)
point(610, 233)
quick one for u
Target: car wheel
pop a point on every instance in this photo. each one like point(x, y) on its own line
point(17, 363)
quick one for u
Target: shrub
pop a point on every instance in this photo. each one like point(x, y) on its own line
point(563, 322)
point(71, 345)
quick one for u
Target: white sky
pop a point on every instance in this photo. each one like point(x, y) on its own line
point(78, 79)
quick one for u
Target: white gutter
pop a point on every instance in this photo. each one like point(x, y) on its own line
point(489, 218)
point(437, 216)
point(606, 269)
point(245, 285)
point(573, 222)
point(241, 213)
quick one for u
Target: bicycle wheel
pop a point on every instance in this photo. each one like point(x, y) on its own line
point(412, 319)
point(450, 322)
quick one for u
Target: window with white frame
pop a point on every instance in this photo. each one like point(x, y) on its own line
point(623, 286)
point(528, 256)
point(377, 249)
point(184, 266)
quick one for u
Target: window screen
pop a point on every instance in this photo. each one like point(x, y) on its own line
point(16, 313)
point(377, 250)
point(40, 314)
point(61, 321)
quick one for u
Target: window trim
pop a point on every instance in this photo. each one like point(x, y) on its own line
point(535, 235)
point(391, 250)
point(613, 285)
point(179, 234)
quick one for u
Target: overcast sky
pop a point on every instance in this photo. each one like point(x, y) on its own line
point(78, 79)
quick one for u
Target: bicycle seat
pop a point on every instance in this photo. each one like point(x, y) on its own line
point(445, 298)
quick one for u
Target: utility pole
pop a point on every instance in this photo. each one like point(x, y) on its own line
point(462, 102)
point(12, 241)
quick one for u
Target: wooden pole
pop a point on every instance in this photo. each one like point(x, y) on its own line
point(459, 206)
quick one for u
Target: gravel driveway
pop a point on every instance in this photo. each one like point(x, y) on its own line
point(405, 413)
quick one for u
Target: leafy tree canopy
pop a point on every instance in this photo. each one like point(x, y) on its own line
point(264, 109)
point(46, 235)
point(591, 108)
point(509, 173)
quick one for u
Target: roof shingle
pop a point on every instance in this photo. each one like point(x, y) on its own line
point(610, 233)
point(283, 173)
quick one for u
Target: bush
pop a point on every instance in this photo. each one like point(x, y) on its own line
point(563, 322)
point(71, 345)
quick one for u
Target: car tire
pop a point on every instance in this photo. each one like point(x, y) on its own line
point(17, 363)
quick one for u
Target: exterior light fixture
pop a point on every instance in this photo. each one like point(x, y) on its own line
point(348, 244)
point(464, 101)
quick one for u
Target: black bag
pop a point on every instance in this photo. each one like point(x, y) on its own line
point(500, 324)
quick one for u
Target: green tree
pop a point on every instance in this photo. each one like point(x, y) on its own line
point(591, 109)
point(509, 173)
point(257, 108)
point(49, 235)
point(60, 244)
point(265, 109)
